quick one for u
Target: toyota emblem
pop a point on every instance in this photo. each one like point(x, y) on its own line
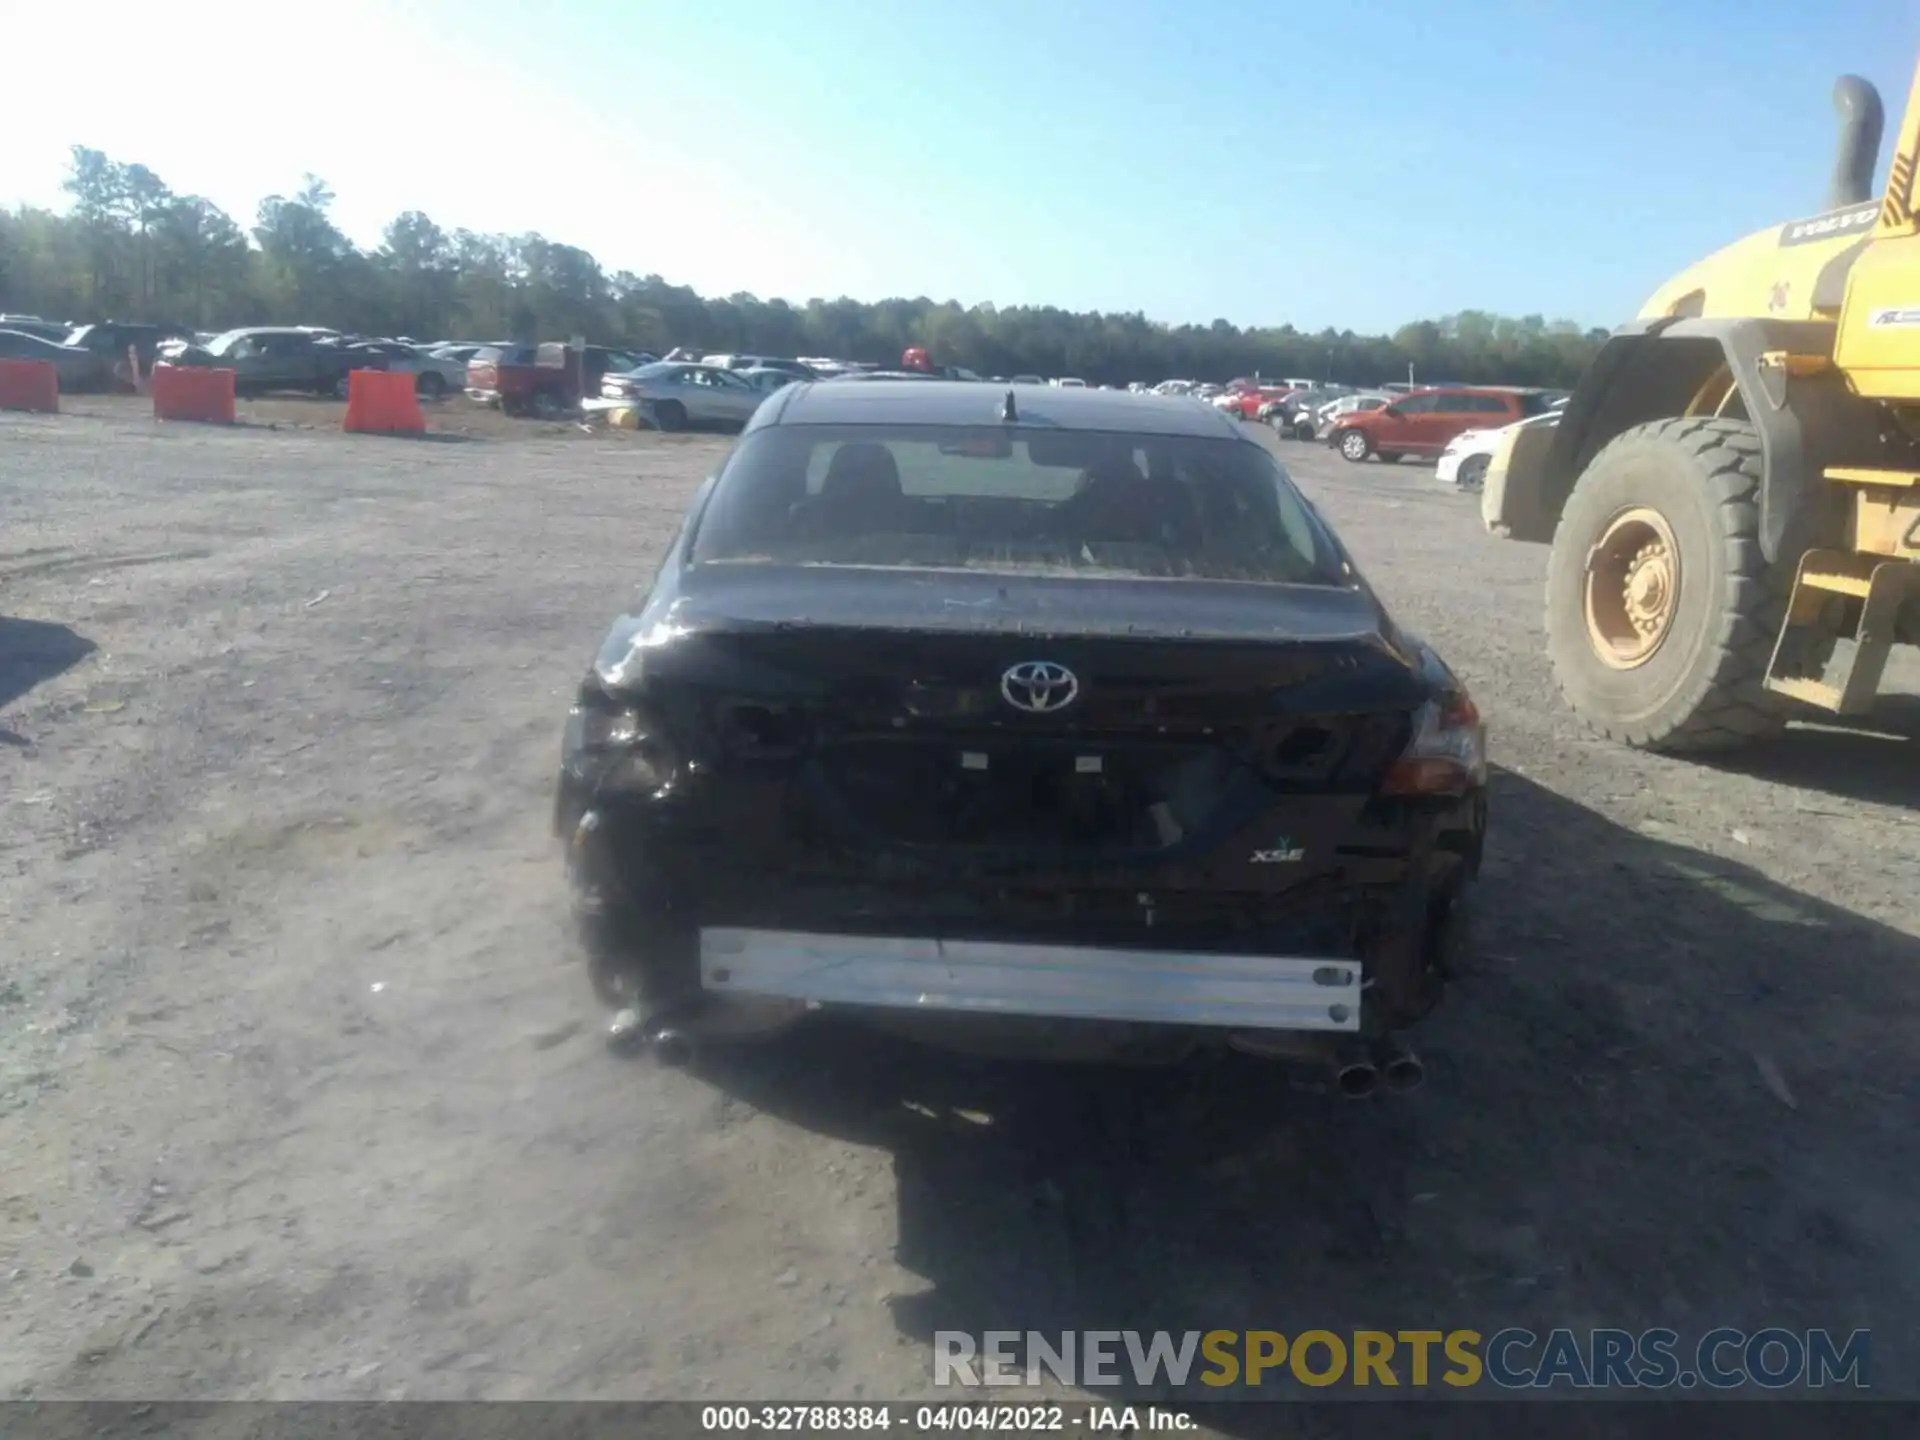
point(1039, 687)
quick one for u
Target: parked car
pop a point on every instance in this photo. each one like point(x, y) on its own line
point(1327, 416)
point(673, 396)
point(767, 378)
point(799, 369)
point(524, 379)
point(1026, 380)
point(53, 330)
point(1464, 462)
point(853, 375)
point(434, 373)
point(1069, 382)
point(78, 369)
point(110, 341)
point(1422, 423)
point(1252, 402)
point(1294, 411)
point(1086, 738)
point(267, 358)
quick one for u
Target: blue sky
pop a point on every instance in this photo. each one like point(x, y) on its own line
point(1357, 166)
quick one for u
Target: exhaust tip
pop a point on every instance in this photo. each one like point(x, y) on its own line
point(1357, 1080)
point(1403, 1073)
point(673, 1047)
point(625, 1034)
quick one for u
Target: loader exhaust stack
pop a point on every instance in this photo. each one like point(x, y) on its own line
point(1862, 119)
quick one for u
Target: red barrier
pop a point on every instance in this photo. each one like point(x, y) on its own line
point(382, 402)
point(191, 392)
point(29, 385)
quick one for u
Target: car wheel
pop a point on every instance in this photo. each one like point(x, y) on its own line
point(1355, 446)
point(1303, 432)
point(670, 415)
point(1662, 610)
point(1472, 474)
point(431, 384)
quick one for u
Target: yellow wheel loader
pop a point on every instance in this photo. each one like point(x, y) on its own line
point(1733, 492)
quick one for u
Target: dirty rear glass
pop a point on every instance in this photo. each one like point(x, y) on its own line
point(1014, 500)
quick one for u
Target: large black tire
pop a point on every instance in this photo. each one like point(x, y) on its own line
point(1703, 687)
point(670, 415)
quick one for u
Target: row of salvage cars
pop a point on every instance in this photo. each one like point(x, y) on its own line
point(1030, 720)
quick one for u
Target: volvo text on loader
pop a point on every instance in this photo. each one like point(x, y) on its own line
point(1733, 492)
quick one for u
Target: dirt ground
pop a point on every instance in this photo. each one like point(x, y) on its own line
point(302, 1092)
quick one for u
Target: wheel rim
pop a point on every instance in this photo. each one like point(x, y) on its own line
point(1472, 473)
point(1354, 447)
point(1632, 588)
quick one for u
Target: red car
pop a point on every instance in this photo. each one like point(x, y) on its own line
point(1248, 403)
point(1423, 422)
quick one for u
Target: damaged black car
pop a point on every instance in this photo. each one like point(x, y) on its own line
point(1052, 722)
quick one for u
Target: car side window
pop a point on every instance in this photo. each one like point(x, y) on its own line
point(1416, 404)
point(1490, 404)
point(1457, 404)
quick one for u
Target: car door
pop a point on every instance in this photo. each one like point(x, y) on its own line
point(699, 391)
point(1401, 428)
point(735, 399)
point(287, 360)
point(1496, 412)
point(1454, 415)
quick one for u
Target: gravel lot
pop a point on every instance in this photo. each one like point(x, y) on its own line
point(301, 1090)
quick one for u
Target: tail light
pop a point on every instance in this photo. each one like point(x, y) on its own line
point(1447, 754)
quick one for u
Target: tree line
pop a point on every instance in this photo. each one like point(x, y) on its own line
point(130, 248)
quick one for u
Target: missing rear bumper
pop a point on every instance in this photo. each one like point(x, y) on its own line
point(1241, 992)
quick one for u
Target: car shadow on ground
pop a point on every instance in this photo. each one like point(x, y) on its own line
point(1874, 758)
point(33, 651)
point(1672, 1093)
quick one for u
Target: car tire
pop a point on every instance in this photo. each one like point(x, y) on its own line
point(1472, 474)
point(1303, 432)
point(670, 415)
point(1354, 446)
point(1681, 497)
point(430, 384)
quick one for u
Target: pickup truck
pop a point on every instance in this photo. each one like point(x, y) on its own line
point(265, 358)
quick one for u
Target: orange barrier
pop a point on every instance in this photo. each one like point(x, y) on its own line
point(191, 392)
point(29, 385)
point(381, 402)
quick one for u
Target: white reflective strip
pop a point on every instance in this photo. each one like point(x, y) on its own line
point(1252, 992)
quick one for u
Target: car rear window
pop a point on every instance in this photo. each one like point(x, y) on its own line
point(1014, 500)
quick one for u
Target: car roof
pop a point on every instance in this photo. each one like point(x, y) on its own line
point(962, 402)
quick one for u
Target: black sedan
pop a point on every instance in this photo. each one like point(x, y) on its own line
point(1052, 720)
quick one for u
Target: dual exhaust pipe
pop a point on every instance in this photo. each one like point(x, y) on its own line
point(673, 1045)
point(1360, 1067)
point(1362, 1070)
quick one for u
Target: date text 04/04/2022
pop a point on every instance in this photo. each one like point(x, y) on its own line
point(935, 1419)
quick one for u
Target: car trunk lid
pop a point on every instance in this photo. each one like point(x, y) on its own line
point(897, 716)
